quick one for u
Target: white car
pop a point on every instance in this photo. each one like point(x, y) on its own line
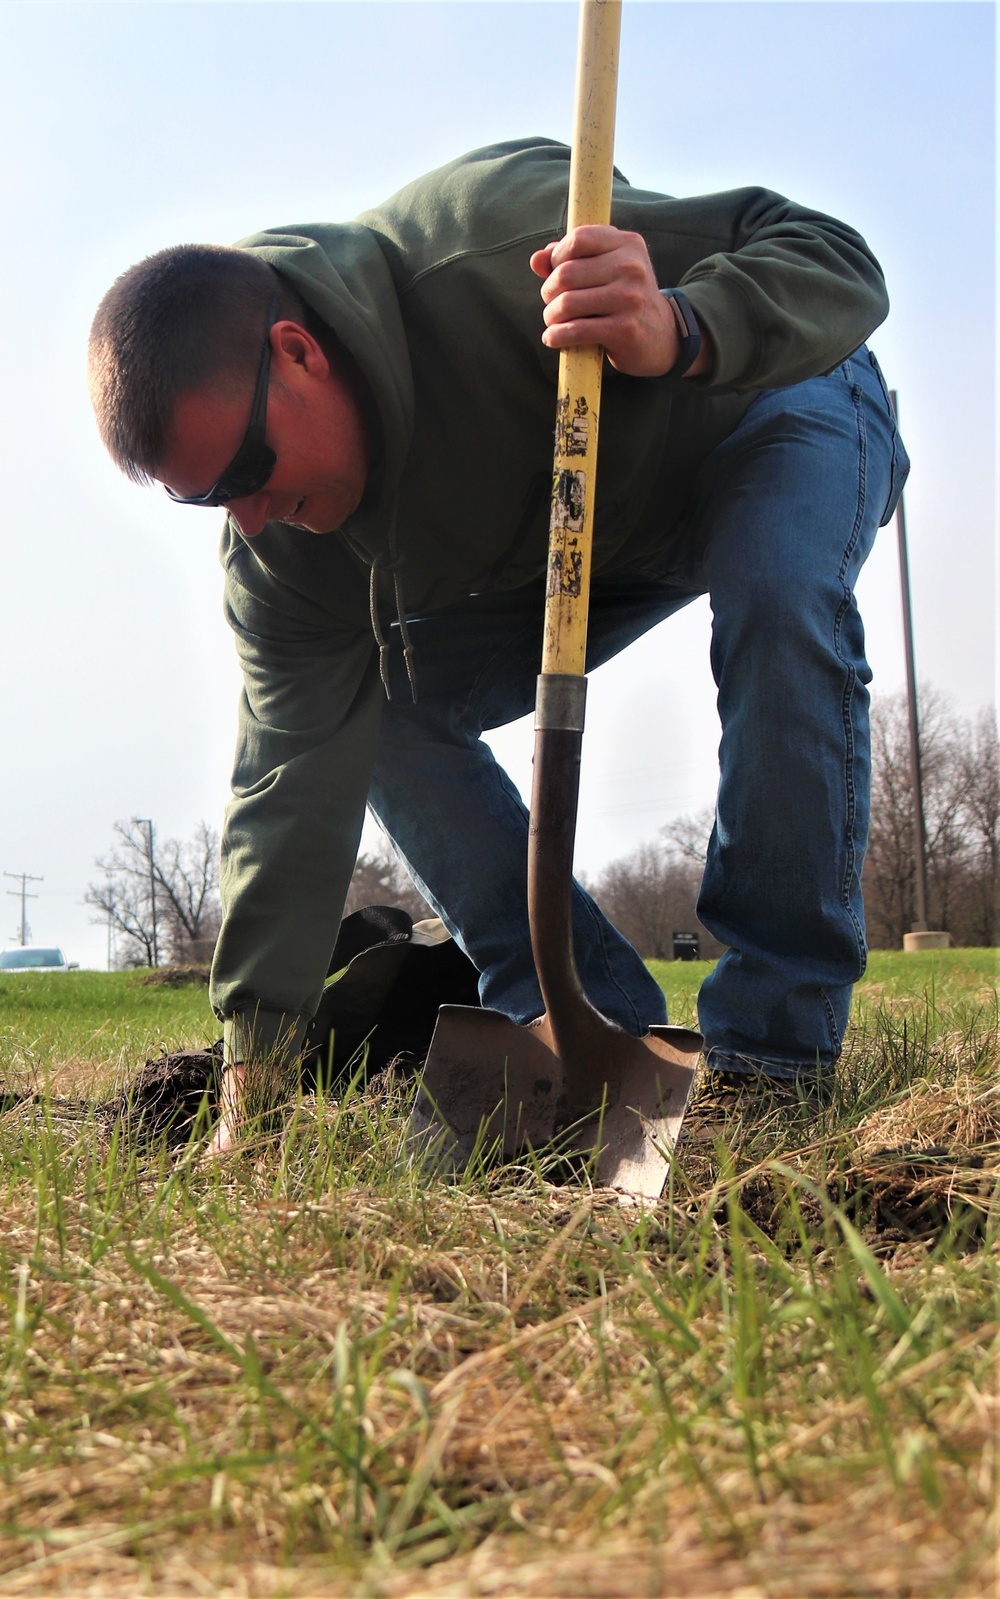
point(35, 958)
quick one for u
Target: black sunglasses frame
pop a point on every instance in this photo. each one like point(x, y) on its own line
point(254, 461)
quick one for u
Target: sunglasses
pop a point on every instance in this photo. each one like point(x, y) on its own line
point(254, 461)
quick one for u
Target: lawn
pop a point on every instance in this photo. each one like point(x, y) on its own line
point(308, 1370)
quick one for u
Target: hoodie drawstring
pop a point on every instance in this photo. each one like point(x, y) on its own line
point(391, 566)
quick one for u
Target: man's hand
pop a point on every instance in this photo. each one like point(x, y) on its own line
point(600, 288)
point(226, 1133)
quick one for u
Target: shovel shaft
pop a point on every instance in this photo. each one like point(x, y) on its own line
point(555, 789)
point(578, 1031)
point(591, 161)
point(571, 524)
point(562, 685)
point(487, 1078)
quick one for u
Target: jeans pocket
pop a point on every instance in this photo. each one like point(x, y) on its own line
point(899, 468)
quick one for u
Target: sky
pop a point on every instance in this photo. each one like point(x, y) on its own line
point(127, 127)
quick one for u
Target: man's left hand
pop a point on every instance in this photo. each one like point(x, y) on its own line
point(600, 288)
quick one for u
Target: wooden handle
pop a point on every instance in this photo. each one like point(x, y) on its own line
point(571, 527)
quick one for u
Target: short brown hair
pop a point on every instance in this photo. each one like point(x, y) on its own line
point(185, 317)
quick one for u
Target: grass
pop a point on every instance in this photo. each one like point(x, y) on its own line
point(306, 1370)
point(949, 979)
point(77, 1028)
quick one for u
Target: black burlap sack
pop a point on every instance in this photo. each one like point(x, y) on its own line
point(388, 978)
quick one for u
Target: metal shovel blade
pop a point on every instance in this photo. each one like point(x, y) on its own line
point(635, 1136)
point(487, 1083)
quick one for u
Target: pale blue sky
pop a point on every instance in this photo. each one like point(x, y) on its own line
point(126, 127)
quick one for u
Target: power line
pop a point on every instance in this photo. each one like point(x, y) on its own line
point(664, 802)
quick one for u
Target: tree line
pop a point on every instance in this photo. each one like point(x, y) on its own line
point(960, 772)
point(653, 892)
point(160, 898)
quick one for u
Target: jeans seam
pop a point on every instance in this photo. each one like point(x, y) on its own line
point(894, 461)
point(612, 978)
point(835, 1038)
point(850, 685)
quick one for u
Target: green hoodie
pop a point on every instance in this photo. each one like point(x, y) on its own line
point(433, 296)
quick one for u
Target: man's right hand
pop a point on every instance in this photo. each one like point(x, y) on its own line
point(600, 288)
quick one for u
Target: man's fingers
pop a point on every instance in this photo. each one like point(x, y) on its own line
point(230, 1099)
point(588, 243)
point(594, 239)
point(643, 343)
point(600, 288)
point(605, 330)
point(621, 296)
point(222, 1139)
point(585, 272)
point(567, 335)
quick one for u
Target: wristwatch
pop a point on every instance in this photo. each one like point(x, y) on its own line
point(690, 333)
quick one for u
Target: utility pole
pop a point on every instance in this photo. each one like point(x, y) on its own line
point(111, 928)
point(144, 821)
point(920, 936)
point(24, 878)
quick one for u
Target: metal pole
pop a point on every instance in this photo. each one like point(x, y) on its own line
point(916, 781)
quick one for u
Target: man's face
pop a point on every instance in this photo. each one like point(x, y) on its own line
point(314, 426)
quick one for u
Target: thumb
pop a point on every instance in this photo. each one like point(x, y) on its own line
point(541, 261)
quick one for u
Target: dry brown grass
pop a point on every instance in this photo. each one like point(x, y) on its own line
point(306, 1371)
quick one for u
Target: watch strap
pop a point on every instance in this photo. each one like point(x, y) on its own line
point(689, 330)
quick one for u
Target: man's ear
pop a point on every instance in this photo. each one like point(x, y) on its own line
point(293, 347)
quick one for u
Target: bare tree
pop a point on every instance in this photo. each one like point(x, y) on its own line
point(185, 878)
point(961, 782)
point(888, 878)
point(977, 761)
point(688, 836)
point(188, 874)
point(124, 904)
point(652, 893)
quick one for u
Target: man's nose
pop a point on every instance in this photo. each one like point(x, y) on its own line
point(249, 514)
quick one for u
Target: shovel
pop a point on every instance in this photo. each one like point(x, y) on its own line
point(488, 1081)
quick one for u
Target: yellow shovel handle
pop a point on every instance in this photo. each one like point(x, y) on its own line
point(571, 528)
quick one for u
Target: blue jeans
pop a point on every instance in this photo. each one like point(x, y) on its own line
point(783, 515)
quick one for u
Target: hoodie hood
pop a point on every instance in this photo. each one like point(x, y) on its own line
point(357, 298)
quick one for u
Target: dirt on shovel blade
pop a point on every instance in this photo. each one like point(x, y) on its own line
point(488, 1084)
point(492, 1085)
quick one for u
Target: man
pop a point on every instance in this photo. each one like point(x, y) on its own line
point(398, 374)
